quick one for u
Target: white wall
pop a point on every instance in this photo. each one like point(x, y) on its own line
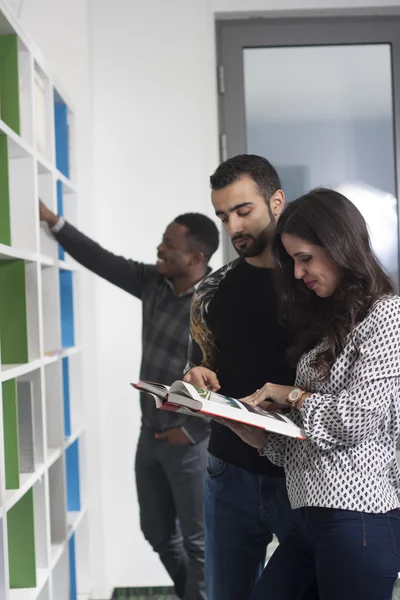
point(155, 147)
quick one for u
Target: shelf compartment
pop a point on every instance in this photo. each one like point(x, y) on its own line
point(67, 208)
point(58, 509)
point(51, 310)
point(31, 384)
point(54, 406)
point(61, 581)
point(13, 313)
point(20, 187)
point(47, 194)
point(9, 82)
point(19, 312)
point(66, 396)
point(67, 308)
point(45, 593)
point(25, 72)
point(60, 212)
point(18, 212)
point(23, 428)
point(62, 129)
point(5, 214)
point(72, 569)
point(21, 543)
point(73, 402)
point(41, 524)
point(44, 126)
point(11, 443)
point(73, 477)
point(42, 576)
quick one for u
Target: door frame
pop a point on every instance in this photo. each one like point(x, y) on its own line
point(236, 35)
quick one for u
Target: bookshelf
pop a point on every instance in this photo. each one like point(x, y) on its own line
point(44, 546)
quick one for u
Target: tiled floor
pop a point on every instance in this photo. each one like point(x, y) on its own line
point(167, 593)
point(144, 594)
point(162, 593)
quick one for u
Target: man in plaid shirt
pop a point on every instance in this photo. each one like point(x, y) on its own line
point(172, 450)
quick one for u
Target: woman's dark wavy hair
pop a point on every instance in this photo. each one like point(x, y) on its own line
point(328, 219)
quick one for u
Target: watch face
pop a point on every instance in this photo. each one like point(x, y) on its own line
point(294, 395)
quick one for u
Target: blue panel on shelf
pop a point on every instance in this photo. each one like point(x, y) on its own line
point(60, 211)
point(73, 490)
point(67, 410)
point(61, 131)
point(67, 309)
point(72, 569)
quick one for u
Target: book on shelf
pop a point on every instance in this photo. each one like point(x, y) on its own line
point(192, 400)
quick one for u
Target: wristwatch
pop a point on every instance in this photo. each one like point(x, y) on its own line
point(295, 395)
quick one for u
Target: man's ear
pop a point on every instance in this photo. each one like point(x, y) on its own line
point(197, 258)
point(277, 203)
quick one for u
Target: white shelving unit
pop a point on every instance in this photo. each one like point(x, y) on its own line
point(44, 545)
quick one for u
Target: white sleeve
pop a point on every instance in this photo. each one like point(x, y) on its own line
point(58, 226)
point(274, 448)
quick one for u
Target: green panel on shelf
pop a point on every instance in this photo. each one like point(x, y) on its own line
point(21, 543)
point(9, 82)
point(13, 319)
point(10, 424)
point(5, 219)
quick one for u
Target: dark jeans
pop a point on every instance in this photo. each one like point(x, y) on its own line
point(170, 483)
point(242, 511)
point(353, 555)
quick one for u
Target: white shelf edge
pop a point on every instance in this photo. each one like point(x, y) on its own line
point(56, 553)
point(44, 162)
point(8, 252)
point(49, 360)
point(53, 355)
point(67, 266)
point(53, 454)
point(70, 351)
point(27, 149)
point(8, 372)
point(72, 438)
point(47, 261)
point(42, 576)
point(67, 182)
point(74, 519)
point(27, 481)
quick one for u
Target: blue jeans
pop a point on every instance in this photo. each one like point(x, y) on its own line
point(353, 555)
point(242, 511)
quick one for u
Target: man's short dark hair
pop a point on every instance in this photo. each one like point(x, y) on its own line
point(256, 167)
point(203, 234)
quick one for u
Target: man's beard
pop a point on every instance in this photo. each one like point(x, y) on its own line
point(258, 244)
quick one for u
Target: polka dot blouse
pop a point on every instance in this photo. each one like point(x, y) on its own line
point(352, 422)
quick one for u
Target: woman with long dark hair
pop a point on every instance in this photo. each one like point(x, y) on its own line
point(343, 481)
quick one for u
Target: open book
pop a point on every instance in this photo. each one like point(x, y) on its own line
point(193, 400)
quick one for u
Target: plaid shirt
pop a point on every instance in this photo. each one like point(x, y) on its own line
point(165, 329)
